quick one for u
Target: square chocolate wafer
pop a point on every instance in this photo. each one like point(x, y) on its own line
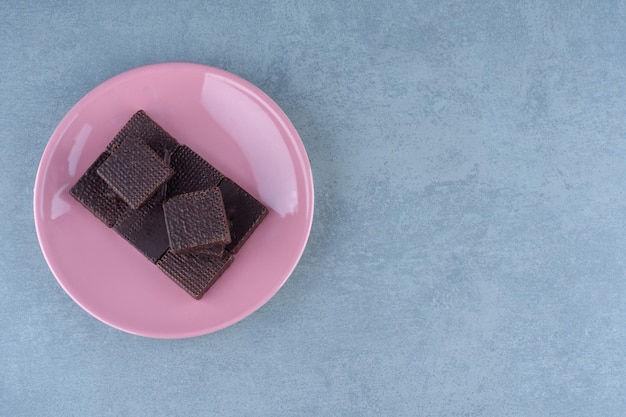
point(193, 272)
point(244, 213)
point(145, 229)
point(191, 173)
point(134, 171)
point(196, 220)
point(96, 195)
point(142, 126)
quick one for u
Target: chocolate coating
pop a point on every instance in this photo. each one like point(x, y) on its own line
point(145, 229)
point(244, 213)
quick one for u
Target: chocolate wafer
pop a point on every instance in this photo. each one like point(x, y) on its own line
point(196, 220)
point(142, 126)
point(134, 171)
point(96, 195)
point(244, 213)
point(194, 273)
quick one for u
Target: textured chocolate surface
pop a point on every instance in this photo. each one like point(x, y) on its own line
point(195, 273)
point(142, 126)
point(96, 195)
point(145, 229)
point(215, 250)
point(134, 171)
point(191, 173)
point(196, 220)
point(244, 213)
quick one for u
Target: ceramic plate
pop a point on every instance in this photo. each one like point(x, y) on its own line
point(234, 126)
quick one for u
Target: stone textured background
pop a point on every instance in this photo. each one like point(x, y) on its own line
point(467, 253)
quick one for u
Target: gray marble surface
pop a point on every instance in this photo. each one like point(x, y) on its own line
point(467, 251)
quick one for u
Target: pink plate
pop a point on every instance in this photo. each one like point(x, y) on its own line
point(234, 126)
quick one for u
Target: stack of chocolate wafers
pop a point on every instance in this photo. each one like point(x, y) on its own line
point(169, 203)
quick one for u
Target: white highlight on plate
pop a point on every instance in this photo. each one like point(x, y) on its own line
point(77, 148)
point(282, 197)
point(59, 206)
